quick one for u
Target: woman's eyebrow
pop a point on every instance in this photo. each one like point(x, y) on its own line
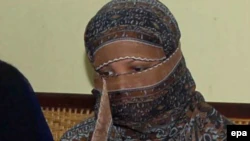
point(105, 68)
point(142, 62)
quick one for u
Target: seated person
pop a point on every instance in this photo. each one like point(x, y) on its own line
point(144, 90)
point(21, 116)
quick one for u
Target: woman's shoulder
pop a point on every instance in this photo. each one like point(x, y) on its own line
point(204, 110)
point(212, 123)
point(80, 131)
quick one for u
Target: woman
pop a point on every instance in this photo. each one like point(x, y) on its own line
point(144, 89)
point(21, 116)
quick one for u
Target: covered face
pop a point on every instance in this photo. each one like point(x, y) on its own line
point(134, 46)
point(144, 90)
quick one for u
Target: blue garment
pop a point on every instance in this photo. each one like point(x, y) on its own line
point(21, 117)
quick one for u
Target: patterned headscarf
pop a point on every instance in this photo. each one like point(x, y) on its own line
point(159, 103)
point(143, 20)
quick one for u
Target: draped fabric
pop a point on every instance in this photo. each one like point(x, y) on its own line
point(159, 103)
point(21, 115)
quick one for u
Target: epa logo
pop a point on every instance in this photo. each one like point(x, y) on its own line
point(238, 133)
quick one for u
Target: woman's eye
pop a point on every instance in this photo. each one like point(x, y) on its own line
point(106, 73)
point(138, 69)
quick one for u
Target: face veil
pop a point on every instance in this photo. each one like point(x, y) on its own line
point(139, 100)
point(157, 103)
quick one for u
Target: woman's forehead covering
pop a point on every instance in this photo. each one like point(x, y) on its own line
point(147, 21)
point(129, 49)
